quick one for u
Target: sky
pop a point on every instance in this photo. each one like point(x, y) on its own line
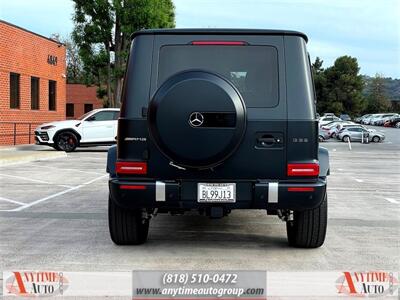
point(366, 29)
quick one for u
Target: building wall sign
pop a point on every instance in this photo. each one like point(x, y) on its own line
point(52, 60)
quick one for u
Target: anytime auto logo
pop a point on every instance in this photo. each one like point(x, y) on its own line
point(36, 284)
point(367, 284)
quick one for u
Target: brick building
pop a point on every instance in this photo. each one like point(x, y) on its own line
point(32, 82)
point(81, 99)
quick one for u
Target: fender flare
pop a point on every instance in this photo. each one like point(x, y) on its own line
point(323, 157)
point(111, 160)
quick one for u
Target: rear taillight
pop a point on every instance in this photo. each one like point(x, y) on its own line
point(219, 43)
point(130, 167)
point(132, 187)
point(311, 169)
point(301, 189)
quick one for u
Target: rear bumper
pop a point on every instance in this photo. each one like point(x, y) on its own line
point(249, 194)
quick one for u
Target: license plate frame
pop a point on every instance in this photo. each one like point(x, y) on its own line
point(218, 188)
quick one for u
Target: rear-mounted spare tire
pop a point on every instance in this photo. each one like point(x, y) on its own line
point(197, 119)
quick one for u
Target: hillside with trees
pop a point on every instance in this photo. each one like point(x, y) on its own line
point(341, 89)
point(391, 87)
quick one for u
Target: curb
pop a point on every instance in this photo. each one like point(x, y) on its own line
point(23, 157)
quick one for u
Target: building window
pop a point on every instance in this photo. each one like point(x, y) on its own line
point(52, 95)
point(88, 107)
point(34, 93)
point(14, 90)
point(70, 110)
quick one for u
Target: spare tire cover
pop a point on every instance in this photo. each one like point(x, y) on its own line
point(197, 119)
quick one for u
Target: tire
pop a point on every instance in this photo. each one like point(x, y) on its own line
point(397, 125)
point(127, 227)
point(376, 139)
point(66, 141)
point(308, 228)
point(321, 138)
point(346, 138)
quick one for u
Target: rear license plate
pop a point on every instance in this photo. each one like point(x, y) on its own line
point(216, 192)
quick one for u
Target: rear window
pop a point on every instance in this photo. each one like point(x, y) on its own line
point(252, 69)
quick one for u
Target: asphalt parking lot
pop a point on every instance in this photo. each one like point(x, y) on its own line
point(53, 215)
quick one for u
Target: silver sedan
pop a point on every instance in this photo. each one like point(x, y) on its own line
point(359, 134)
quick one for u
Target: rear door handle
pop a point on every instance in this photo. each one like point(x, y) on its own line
point(268, 140)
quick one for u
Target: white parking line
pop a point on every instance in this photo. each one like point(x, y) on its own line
point(391, 200)
point(358, 180)
point(93, 180)
point(57, 194)
point(11, 201)
point(33, 180)
point(26, 178)
point(74, 170)
point(46, 198)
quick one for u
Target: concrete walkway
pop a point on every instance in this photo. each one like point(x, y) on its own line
point(27, 153)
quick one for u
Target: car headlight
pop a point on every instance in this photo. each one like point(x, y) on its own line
point(47, 127)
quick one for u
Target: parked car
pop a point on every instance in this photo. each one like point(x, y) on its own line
point(360, 119)
point(323, 135)
point(329, 115)
point(329, 125)
point(332, 132)
point(345, 117)
point(235, 145)
point(374, 118)
point(376, 136)
point(393, 122)
point(327, 119)
point(367, 120)
point(354, 134)
point(95, 128)
point(382, 119)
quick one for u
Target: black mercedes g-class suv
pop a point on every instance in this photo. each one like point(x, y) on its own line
point(214, 120)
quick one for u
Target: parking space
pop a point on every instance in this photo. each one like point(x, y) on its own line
point(53, 214)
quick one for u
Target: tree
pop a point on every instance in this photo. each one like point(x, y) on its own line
point(320, 84)
point(377, 100)
point(344, 87)
point(75, 72)
point(102, 32)
point(74, 64)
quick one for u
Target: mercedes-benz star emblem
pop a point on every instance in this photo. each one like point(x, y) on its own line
point(196, 119)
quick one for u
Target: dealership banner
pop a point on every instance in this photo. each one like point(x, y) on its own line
point(252, 285)
point(199, 284)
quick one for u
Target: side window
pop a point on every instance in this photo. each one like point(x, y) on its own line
point(103, 116)
point(116, 115)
